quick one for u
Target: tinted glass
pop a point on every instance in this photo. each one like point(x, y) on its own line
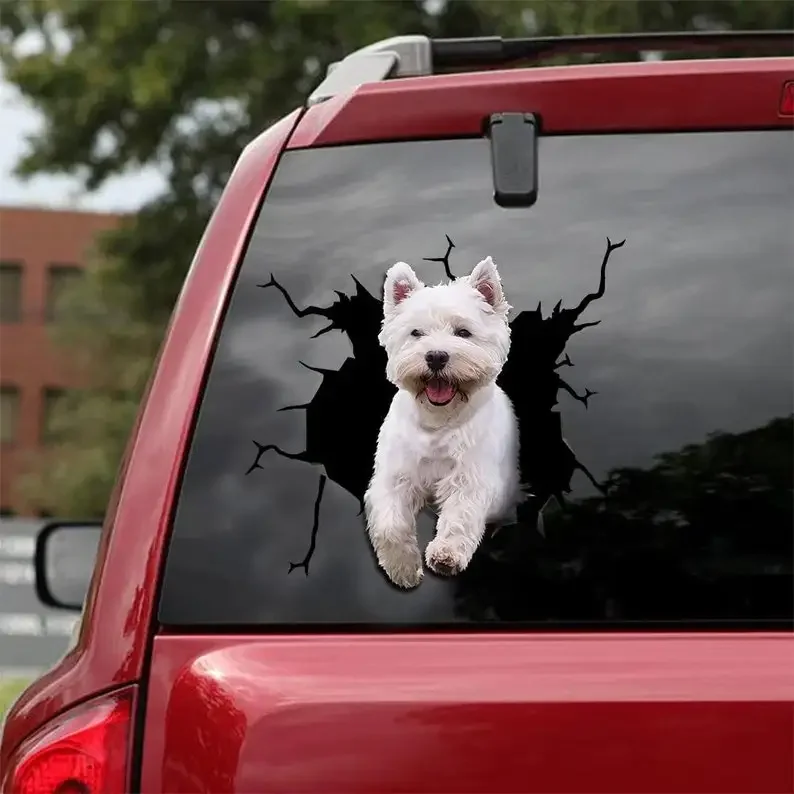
point(665, 430)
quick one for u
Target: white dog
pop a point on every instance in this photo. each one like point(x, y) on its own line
point(450, 437)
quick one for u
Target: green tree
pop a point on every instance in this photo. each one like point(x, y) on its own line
point(123, 84)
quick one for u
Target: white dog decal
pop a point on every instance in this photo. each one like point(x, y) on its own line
point(450, 437)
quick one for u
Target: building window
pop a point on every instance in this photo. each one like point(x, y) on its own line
point(9, 414)
point(10, 292)
point(53, 400)
point(60, 279)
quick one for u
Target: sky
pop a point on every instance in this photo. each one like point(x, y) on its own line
point(20, 120)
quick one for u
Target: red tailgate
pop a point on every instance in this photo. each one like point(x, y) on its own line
point(455, 713)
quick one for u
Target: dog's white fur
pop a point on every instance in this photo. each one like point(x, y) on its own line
point(461, 457)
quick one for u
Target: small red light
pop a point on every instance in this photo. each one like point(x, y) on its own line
point(82, 752)
point(787, 99)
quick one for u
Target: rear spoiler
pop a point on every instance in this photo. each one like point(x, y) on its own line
point(418, 56)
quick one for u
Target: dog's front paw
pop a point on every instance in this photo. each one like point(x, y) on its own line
point(446, 558)
point(402, 564)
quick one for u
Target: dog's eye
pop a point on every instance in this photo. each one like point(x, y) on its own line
point(463, 333)
point(416, 332)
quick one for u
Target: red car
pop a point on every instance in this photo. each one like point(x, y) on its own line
point(631, 630)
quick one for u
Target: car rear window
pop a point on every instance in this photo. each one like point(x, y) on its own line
point(657, 417)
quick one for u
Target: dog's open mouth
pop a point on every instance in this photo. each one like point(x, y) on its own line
point(440, 391)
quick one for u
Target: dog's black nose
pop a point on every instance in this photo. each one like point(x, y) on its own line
point(436, 359)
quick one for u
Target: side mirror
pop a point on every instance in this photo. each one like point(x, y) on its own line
point(65, 556)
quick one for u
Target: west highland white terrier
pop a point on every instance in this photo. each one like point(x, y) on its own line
point(450, 437)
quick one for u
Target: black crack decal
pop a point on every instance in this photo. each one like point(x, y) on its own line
point(531, 378)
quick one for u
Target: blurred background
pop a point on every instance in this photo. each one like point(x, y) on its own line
point(121, 121)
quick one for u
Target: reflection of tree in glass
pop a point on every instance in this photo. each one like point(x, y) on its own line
point(341, 431)
point(703, 534)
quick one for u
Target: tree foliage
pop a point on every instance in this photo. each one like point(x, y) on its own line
point(704, 531)
point(183, 86)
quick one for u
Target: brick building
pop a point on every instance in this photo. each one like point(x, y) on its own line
point(41, 251)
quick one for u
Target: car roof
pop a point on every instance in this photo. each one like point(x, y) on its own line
point(383, 91)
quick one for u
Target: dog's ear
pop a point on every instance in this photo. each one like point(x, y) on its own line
point(485, 279)
point(401, 282)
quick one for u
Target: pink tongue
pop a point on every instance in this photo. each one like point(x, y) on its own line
point(439, 391)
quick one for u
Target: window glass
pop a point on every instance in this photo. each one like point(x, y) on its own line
point(656, 418)
point(10, 292)
point(9, 414)
point(60, 279)
point(51, 415)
